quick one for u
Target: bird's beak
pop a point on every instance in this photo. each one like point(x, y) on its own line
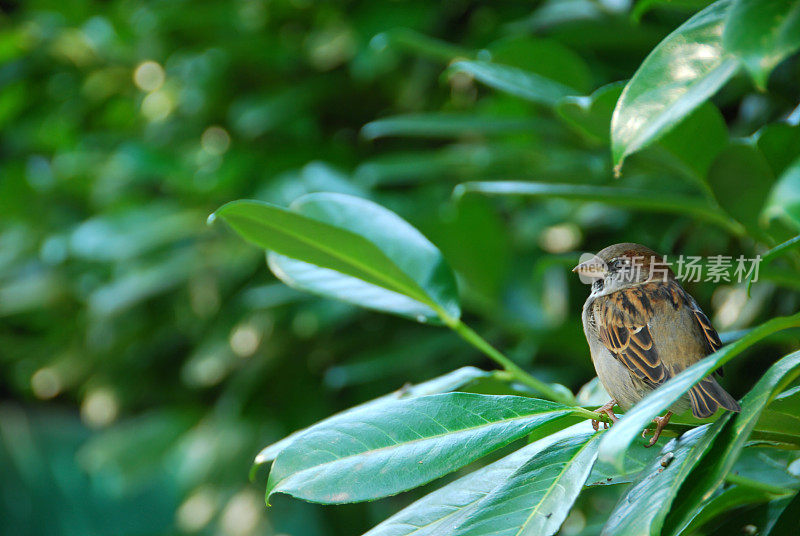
point(593, 268)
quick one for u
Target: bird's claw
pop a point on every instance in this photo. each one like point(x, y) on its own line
point(661, 422)
point(606, 408)
point(596, 424)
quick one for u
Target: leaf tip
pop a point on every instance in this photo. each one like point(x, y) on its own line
point(369, 131)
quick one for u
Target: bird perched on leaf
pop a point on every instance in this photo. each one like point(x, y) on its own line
point(643, 329)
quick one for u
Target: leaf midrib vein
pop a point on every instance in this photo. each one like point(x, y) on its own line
point(426, 438)
point(349, 260)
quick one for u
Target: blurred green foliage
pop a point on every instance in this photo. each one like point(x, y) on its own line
point(145, 357)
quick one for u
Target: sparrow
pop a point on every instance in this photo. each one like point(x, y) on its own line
point(643, 328)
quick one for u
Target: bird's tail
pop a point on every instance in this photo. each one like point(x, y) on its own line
point(707, 396)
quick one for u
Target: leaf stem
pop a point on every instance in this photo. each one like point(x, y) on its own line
point(512, 369)
point(739, 480)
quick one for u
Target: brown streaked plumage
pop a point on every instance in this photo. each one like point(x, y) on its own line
point(643, 328)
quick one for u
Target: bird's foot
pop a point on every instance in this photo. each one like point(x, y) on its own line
point(606, 408)
point(661, 422)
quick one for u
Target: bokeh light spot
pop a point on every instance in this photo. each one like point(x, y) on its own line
point(100, 407)
point(149, 76)
point(196, 511)
point(560, 238)
point(46, 383)
point(157, 106)
point(241, 514)
point(244, 340)
point(215, 140)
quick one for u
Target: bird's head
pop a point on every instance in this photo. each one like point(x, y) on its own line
point(623, 265)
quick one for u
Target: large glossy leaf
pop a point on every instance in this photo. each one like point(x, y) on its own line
point(621, 197)
point(605, 474)
point(441, 511)
point(536, 499)
point(615, 444)
point(642, 510)
point(727, 449)
point(362, 250)
point(449, 382)
point(377, 452)
point(684, 70)
point(332, 284)
point(527, 85)
point(762, 34)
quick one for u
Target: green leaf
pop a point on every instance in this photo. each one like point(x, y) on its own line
point(420, 44)
point(545, 57)
point(441, 511)
point(784, 520)
point(592, 394)
point(483, 261)
point(644, 507)
point(682, 6)
point(377, 452)
point(773, 253)
point(787, 402)
point(728, 447)
point(784, 199)
point(517, 82)
point(741, 178)
point(769, 519)
point(636, 460)
point(538, 496)
point(616, 443)
point(449, 382)
point(780, 145)
point(767, 465)
point(359, 249)
point(591, 115)
point(332, 284)
point(696, 141)
point(681, 73)
point(762, 34)
point(730, 499)
point(445, 125)
point(459, 160)
point(621, 197)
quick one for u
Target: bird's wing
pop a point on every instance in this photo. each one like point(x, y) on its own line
point(713, 342)
point(623, 319)
point(710, 335)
